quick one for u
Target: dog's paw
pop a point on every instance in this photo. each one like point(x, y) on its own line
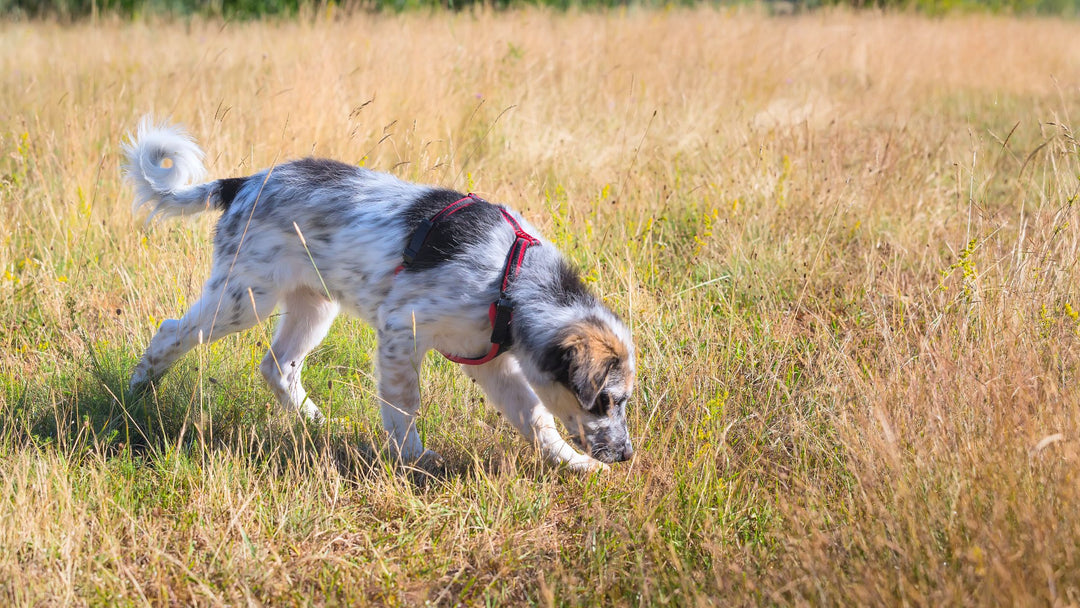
point(139, 385)
point(597, 467)
point(429, 465)
point(312, 413)
point(585, 465)
point(430, 460)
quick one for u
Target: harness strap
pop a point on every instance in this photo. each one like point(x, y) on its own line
point(420, 235)
point(501, 312)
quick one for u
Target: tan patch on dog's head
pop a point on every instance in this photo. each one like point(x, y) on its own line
point(596, 358)
point(594, 343)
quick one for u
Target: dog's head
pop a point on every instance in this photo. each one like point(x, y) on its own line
point(591, 367)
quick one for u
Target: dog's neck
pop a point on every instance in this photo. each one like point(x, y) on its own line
point(548, 295)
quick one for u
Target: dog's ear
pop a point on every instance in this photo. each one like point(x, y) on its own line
point(584, 359)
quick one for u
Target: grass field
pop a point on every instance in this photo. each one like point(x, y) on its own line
point(847, 246)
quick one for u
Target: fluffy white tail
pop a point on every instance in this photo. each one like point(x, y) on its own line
point(162, 160)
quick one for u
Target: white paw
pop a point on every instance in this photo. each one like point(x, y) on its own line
point(312, 412)
point(584, 465)
point(139, 383)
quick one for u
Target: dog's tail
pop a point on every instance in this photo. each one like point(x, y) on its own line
point(162, 160)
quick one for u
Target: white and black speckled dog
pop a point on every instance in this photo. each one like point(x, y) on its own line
point(316, 236)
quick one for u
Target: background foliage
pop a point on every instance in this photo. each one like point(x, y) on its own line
point(253, 9)
point(847, 244)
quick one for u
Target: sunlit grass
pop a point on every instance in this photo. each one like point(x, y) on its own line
point(847, 247)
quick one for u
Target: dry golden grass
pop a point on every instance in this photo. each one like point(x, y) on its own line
point(847, 245)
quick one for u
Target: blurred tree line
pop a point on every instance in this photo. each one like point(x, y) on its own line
point(73, 10)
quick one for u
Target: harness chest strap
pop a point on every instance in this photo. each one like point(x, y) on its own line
point(501, 311)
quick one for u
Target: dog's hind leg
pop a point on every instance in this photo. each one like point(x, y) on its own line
point(305, 319)
point(507, 389)
point(223, 309)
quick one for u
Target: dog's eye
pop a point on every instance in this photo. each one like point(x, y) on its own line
point(604, 402)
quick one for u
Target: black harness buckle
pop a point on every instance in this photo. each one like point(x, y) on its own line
point(500, 325)
point(416, 242)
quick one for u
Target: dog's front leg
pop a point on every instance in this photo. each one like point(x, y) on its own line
point(399, 362)
point(508, 390)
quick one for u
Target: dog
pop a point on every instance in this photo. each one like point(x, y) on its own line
point(427, 267)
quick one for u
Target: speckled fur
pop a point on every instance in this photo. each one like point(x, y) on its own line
point(313, 237)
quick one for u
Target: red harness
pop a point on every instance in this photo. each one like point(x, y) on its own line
point(502, 310)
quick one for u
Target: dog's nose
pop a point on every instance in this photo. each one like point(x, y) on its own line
point(627, 452)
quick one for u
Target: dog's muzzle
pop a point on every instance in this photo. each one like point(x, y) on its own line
point(605, 453)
